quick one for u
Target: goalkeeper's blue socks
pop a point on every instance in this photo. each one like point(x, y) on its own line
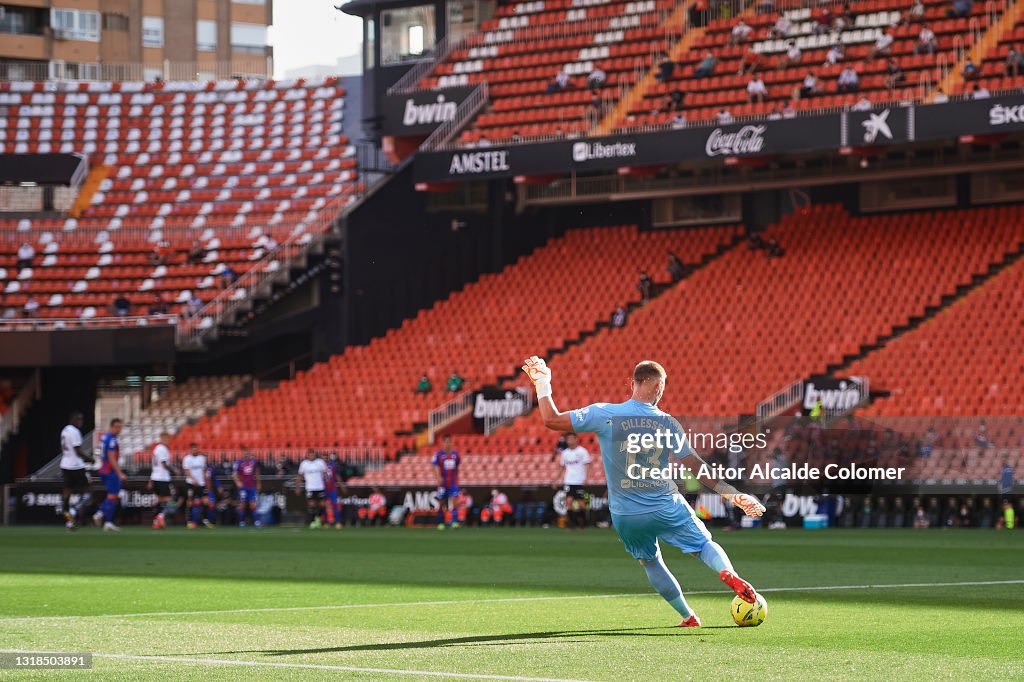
point(665, 584)
point(714, 556)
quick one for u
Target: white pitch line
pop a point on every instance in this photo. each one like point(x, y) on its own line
point(500, 600)
point(315, 666)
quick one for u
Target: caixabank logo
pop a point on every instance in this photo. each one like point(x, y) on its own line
point(594, 151)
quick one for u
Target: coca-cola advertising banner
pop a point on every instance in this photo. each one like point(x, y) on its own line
point(880, 126)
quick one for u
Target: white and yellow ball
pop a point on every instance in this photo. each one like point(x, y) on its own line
point(748, 615)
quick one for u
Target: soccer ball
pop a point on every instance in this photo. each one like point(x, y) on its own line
point(748, 615)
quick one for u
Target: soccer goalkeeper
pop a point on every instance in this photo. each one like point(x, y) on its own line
point(647, 508)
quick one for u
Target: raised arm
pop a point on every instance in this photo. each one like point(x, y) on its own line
point(540, 375)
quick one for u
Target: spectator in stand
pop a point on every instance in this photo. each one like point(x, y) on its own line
point(863, 104)
point(980, 92)
point(561, 82)
point(894, 74)
point(791, 57)
point(455, 383)
point(765, 6)
point(834, 55)
point(848, 80)
point(665, 69)
point(706, 67)
point(619, 317)
point(756, 90)
point(883, 46)
point(776, 113)
point(196, 253)
point(516, 137)
point(960, 9)
point(782, 28)
point(424, 386)
point(679, 120)
point(740, 33)
point(194, 305)
point(970, 71)
point(483, 142)
point(675, 267)
point(808, 87)
point(158, 306)
point(597, 78)
point(724, 117)
point(122, 306)
point(31, 307)
point(750, 62)
point(25, 255)
point(926, 41)
point(674, 101)
point(789, 111)
point(940, 97)
point(824, 22)
point(915, 13)
point(228, 276)
point(645, 287)
point(1014, 60)
point(700, 13)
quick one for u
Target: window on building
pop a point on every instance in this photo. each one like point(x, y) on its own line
point(152, 31)
point(369, 42)
point(12, 20)
point(115, 22)
point(248, 37)
point(75, 24)
point(206, 35)
point(407, 33)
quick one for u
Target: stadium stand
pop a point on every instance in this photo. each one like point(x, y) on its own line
point(177, 405)
point(726, 87)
point(975, 336)
point(193, 184)
point(521, 51)
point(341, 402)
point(747, 325)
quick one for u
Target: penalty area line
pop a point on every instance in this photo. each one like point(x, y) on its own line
point(502, 600)
point(313, 666)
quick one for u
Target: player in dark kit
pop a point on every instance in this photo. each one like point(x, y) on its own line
point(447, 462)
point(110, 472)
point(246, 474)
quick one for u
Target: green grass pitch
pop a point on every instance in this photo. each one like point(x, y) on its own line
point(390, 603)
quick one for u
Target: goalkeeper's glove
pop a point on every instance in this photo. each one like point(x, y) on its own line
point(748, 503)
point(540, 375)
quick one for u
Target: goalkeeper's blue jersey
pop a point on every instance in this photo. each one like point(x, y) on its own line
point(613, 423)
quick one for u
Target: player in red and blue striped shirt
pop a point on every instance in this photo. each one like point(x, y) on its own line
point(447, 462)
point(110, 473)
point(246, 473)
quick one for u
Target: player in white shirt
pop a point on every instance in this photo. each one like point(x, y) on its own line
point(194, 465)
point(73, 457)
point(311, 477)
point(160, 481)
point(576, 461)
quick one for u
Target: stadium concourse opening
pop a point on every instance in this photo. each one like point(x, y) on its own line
point(677, 317)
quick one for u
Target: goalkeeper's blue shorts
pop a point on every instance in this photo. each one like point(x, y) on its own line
point(675, 523)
